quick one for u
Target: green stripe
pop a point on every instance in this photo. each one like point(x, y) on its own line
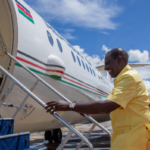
point(36, 71)
point(81, 88)
point(59, 78)
point(21, 12)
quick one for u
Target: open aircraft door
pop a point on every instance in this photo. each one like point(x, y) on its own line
point(8, 40)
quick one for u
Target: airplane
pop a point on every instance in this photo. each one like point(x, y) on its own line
point(35, 43)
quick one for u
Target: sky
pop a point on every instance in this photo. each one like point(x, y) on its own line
point(94, 27)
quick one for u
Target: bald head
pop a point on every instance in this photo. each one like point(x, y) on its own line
point(115, 61)
point(119, 52)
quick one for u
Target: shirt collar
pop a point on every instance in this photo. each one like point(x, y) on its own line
point(126, 68)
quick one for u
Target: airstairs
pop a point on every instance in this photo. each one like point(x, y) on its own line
point(72, 130)
point(10, 141)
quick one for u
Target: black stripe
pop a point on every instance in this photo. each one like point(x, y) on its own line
point(23, 6)
point(39, 60)
point(59, 67)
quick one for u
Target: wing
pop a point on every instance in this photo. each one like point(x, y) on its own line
point(132, 65)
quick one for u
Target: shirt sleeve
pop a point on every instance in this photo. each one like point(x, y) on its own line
point(124, 91)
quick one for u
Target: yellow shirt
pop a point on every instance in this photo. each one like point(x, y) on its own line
point(129, 120)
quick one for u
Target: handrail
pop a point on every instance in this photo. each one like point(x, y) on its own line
point(44, 105)
point(59, 94)
point(87, 135)
point(41, 80)
point(99, 125)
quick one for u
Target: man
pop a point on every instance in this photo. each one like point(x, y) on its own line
point(127, 104)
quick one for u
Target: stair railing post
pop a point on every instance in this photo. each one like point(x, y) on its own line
point(60, 147)
point(21, 105)
point(44, 105)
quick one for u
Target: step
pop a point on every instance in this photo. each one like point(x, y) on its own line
point(18, 141)
point(6, 126)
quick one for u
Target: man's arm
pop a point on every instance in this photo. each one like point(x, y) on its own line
point(98, 107)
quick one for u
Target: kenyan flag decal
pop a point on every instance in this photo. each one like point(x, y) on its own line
point(25, 12)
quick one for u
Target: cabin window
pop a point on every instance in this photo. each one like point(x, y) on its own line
point(88, 62)
point(50, 38)
point(87, 67)
point(83, 64)
point(79, 61)
point(74, 49)
point(93, 72)
point(59, 46)
point(73, 56)
point(90, 70)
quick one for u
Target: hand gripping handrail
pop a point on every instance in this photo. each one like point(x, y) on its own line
point(59, 94)
point(44, 105)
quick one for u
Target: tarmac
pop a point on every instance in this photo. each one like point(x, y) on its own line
point(99, 139)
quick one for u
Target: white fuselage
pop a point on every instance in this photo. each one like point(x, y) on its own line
point(39, 48)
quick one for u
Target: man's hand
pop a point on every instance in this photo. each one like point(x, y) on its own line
point(57, 106)
point(97, 107)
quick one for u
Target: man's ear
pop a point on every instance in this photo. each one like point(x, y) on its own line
point(119, 59)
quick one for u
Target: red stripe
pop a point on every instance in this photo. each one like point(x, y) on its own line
point(83, 85)
point(30, 63)
point(21, 8)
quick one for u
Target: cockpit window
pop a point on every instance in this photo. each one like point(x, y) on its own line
point(59, 46)
point(50, 38)
point(73, 56)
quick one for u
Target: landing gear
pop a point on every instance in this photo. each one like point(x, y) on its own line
point(53, 135)
point(48, 136)
point(57, 135)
